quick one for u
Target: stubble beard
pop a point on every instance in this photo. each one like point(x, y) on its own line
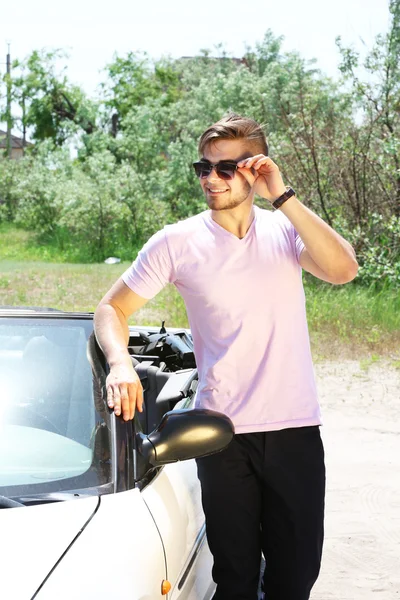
point(237, 200)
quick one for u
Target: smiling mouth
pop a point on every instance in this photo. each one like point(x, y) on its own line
point(212, 191)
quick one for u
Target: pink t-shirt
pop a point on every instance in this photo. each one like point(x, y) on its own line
point(246, 309)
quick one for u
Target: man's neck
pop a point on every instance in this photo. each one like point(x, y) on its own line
point(237, 220)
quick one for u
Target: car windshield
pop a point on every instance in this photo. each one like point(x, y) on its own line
point(52, 438)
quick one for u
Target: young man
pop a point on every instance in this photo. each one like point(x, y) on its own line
point(238, 269)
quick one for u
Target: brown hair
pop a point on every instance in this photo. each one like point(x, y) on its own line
point(235, 127)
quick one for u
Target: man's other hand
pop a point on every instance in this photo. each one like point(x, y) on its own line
point(124, 391)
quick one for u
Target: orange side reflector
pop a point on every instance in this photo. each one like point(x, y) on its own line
point(165, 587)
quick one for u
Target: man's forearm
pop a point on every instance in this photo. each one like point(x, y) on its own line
point(112, 333)
point(329, 250)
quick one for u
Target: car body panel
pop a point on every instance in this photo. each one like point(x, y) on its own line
point(198, 583)
point(174, 500)
point(107, 560)
point(33, 539)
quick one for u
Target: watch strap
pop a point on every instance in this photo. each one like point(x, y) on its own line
point(285, 196)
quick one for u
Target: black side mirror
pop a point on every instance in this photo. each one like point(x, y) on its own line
point(184, 434)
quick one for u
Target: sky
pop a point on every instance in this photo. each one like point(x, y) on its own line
point(92, 31)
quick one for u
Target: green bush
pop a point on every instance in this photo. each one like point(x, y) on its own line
point(377, 245)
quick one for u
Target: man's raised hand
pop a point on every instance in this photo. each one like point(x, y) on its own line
point(265, 179)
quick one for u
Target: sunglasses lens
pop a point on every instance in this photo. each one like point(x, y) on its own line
point(202, 169)
point(226, 172)
point(225, 169)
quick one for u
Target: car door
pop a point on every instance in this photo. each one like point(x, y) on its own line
point(172, 496)
point(174, 499)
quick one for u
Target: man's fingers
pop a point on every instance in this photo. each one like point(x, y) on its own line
point(135, 398)
point(139, 401)
point(261, 162)
point(132, 399)
point(256, 162)
point(124, 393)
point(125, 407)
point(248, 175)
point(110, 397)
point(249, 162)
point(116, 399)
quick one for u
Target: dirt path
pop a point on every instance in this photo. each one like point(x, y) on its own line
point(361, 409)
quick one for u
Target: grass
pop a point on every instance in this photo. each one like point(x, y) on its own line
point(345, 321)
point(75, 287)
point(21, 245)
point(366, 362)
point(352, 320)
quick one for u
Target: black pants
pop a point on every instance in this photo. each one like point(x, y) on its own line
point(265, 493)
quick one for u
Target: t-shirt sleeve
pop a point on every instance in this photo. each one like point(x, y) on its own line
point(152, 269)
point(299, 244)
point(296, 243)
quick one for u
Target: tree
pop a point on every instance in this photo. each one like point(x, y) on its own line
point(134, 81)
point(379, 100)
point(336, 144)
point(50, 106)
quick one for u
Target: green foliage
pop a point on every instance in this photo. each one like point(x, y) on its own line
point(35, 189)
point(265, 55)
point(136, 80)
point(98, 207)
point(336, 143)
point(50, 106)
point(377, 245)
point(378, 99)
point(8, 198)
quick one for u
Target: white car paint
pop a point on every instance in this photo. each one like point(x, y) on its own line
point(175, 502)
point(32, 540)
point(119, 556)
point(120, 553)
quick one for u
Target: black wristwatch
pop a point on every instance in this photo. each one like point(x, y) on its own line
point(285, 196)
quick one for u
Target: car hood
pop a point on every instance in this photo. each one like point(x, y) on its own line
point(34, 538)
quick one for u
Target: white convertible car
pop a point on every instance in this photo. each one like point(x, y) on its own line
point(95, 508)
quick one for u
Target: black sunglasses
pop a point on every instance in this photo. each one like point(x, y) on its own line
point(225, 169)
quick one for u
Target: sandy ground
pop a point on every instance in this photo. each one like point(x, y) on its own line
point(361, 433)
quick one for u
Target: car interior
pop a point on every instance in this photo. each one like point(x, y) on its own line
point(48, 380)
point(45, 374)
point(167, 370)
